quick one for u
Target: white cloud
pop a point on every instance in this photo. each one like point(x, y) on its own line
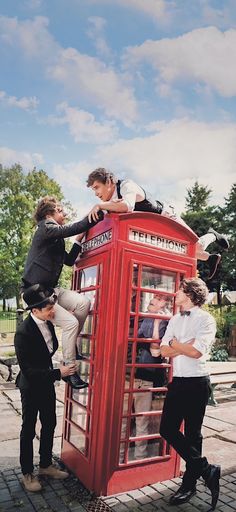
point(83, 76)
point(25, 103)
point(176, 155)
point(156, 9)
point(9, 156)
point(30, 36)
point(220, 17)
point(72, 177)
point(83, 126)
point(95, 33)
point(96, 82)
point(72, 169)
point(205, 55)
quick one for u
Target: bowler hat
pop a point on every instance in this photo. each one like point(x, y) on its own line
point(38, 296)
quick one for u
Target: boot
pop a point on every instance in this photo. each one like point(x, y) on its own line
point(212, 481)
point(31, 483)
point(222, 240)
point(53, 472)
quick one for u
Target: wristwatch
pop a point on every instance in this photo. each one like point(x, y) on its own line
point(170, 343)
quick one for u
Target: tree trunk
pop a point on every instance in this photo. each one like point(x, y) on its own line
point(219, 294)
point(18, 300)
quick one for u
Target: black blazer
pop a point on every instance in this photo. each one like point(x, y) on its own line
point(34, 358)
point(47, 253)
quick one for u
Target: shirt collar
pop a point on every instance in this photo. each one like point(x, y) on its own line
point(193, 310)
point(37, 320)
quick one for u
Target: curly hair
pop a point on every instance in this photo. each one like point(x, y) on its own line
point(45, 206)
point(196, 289)
point(102, 175)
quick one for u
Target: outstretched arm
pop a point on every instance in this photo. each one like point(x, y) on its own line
point(51, 230)
point(119, 206)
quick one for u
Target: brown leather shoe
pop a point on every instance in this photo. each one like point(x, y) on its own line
point(31, 483)
point(53, 472)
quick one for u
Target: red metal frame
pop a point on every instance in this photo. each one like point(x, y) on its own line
point(98, 467)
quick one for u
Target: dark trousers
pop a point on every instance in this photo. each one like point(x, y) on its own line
point(186, 401)
point(34, 402)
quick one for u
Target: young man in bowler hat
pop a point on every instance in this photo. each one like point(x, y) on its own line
point(35, 343)
point(188, 339)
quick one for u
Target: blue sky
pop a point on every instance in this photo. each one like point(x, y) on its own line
point(144, 87)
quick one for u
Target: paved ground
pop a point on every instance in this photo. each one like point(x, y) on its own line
point(70, 495)
point(219, 446)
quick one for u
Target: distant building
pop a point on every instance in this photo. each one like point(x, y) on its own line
point(228, 298)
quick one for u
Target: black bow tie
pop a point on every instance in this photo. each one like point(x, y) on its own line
point(185, 313)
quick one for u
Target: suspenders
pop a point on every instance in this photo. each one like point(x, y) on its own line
point(118, 184)
point(145, 205)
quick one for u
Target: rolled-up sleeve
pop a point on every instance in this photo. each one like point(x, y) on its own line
point(168, 334)
point(205, 335)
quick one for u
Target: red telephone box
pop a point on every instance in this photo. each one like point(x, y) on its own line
point(111, 438)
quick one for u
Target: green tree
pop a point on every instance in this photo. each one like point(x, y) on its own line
point(198, 214)
point(197, 198)
point(200, 217)
point(19, 193)
point(226, 217)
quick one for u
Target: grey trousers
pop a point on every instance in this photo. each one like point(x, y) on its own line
point(71, 311)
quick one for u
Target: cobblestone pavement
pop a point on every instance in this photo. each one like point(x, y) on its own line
point(56, 496)
point(71, 495)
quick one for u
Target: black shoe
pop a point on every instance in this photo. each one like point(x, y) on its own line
point(212, 481)
point(213, 262)
point(182, 496)
point(222, 240)
point(76, 382)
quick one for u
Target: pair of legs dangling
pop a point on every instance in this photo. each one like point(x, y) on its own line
point(212, 259)
point(203, 242)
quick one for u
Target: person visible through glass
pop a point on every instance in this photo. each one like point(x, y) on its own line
point(147, 377)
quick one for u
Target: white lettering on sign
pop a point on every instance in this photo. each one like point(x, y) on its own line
point(158, 241)
point(97, 241)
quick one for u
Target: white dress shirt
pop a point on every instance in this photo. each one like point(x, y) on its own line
point(201, 327)
point(46, 333)
point(131, 193)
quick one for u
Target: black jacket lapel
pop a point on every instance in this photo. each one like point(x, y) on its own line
point(54, 338)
